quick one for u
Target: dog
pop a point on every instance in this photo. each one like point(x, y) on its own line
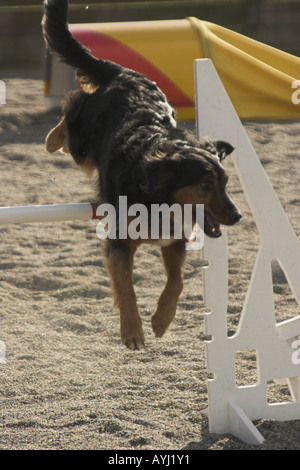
point(121, 126)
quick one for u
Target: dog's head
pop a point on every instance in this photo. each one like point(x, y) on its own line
point(195, 175)
point(73, 134)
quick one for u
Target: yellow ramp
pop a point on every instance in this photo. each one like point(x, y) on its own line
point(259, 79)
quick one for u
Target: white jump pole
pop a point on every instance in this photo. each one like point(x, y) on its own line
point(47, 213)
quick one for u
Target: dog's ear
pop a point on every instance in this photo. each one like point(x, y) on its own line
point(223, 149)
point(56, 139)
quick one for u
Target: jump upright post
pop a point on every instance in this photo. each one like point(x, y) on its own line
point(231, 409)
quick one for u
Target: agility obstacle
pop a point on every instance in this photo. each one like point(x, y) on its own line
point(231, 409)
point(257, 77)
point(47, 213)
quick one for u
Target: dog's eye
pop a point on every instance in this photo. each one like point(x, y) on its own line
point(206, 185)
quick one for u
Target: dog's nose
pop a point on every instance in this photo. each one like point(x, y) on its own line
point(236, 216)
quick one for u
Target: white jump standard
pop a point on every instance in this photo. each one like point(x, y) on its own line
point(231, 409)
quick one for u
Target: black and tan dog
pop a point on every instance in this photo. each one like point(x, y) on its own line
point(121, 125)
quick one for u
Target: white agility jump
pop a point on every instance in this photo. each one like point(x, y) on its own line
point(47, 213)
point(231, 409)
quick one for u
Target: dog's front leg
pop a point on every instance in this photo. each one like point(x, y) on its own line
point(119, 260)
point(174, 257)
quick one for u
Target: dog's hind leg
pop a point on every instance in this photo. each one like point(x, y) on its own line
point(119, 261)
point(174, 257)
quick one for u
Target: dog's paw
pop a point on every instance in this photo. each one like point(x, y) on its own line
point(159, 326)
point(135, 344)
point(133, 339)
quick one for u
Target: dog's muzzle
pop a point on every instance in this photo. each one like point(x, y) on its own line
point(213, 228)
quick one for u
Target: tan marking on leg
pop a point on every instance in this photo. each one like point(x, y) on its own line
point(174, 257)
point(120, 267)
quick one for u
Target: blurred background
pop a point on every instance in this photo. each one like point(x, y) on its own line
point(273, 22)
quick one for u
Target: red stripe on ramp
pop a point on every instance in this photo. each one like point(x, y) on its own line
point(107, 48)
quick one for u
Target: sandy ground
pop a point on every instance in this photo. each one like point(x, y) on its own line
point(68, 383)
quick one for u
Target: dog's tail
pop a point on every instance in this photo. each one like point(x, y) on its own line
point(91, 70)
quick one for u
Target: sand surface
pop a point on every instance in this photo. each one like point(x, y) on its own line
point(68, 383)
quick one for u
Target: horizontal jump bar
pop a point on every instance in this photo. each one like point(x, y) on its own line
point(47, 213)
